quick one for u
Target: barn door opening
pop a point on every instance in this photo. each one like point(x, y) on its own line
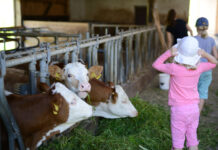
point(140, 15)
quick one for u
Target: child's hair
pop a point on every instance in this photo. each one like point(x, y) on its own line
point(171, 17)
point(186, 66)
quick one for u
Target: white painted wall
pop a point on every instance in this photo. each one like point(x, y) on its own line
point(203, 8)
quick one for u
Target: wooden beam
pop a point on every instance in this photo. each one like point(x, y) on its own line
point(160, 33)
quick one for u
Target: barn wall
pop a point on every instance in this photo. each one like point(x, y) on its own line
point(107, 11)
point(121, 11)
point(181, 7)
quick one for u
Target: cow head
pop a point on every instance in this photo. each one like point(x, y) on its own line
point(117, 106)
point(76, 76)
point(78, 109)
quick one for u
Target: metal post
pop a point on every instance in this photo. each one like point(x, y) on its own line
point(144, 48)
point(66, 58)
point(89, 51)
point(78, 45)
point(5, 112)
point(139, 52)
point(136, 53)
point(120, 60)
point(76, 52)
point(131, 64)
point(105, 61)
point(32, 76)
point(149, 46)
point(117, 30)
point(95, 52)
point(43, 73)
point(106, 31)
point(111, 61)
point(66, 55)
point(115, 60)
point(127, 58)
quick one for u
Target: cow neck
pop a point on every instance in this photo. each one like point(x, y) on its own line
point(100, 92)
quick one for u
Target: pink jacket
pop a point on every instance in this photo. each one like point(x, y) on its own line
point(183, 82)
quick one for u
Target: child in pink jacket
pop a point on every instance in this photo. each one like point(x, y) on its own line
point(183, 97)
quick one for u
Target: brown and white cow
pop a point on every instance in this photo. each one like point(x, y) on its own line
point(43, 115)
point(110, 101)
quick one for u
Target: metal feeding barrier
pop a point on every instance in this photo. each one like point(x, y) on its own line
point(5, 112)
point(122, 55)
point(20, 34)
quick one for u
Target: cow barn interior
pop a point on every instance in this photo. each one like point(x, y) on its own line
point(121, 37)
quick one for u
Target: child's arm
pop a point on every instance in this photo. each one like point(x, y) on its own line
point(215, 54)
point(209, 57)
point(207, 65)
point(159, 62)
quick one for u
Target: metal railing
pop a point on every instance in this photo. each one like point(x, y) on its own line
point(124, 54)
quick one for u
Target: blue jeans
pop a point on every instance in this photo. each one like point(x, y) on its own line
point(204, 83)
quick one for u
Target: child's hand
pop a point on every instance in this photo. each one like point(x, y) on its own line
point(201, 52)
point(173, 51)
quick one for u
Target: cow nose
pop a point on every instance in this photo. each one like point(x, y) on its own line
point(85, 87)
point(135, 114)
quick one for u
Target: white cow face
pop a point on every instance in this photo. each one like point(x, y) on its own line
point(121, 108)
point(76, 78)
point(78, 110)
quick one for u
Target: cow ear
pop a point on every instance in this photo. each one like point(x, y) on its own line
point(114, 96)
point(56, 72)
point(43, 87)
point(111, 85)
point(95, 72)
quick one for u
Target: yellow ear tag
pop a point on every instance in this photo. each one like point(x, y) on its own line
point(56, 109)
point(57, 76)
point(98, 76)
point(55, 113)
point(93, 75)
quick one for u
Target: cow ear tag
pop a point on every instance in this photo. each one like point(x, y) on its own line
point(57, 76)
point(93, 75)
point(98, 77)
point(56, 107)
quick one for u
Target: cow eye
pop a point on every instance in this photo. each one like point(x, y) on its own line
point(69, 75)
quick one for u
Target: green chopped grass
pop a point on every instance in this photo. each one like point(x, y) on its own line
point(149, 131)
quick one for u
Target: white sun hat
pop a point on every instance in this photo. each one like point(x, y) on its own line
point(187, 49)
